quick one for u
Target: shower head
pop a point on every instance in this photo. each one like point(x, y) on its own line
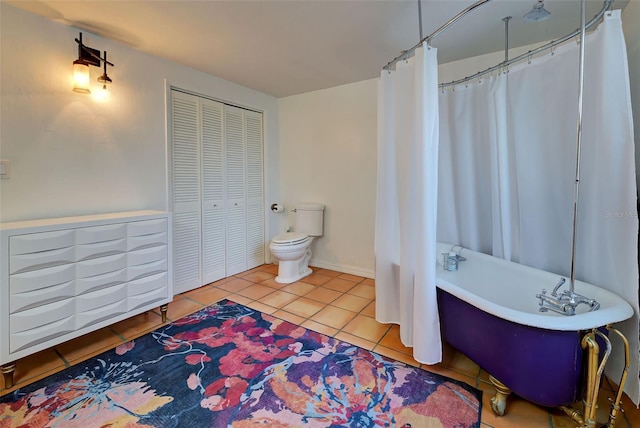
point(538, 13)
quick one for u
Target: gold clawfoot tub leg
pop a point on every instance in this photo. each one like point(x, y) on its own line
point(7, 373)
point(499, 401)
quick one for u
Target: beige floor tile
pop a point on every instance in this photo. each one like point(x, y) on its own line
point(316, 279)
point(392, 340)
point(209, 296)
point(369, 310)
point(369, 281)
point(328, 272)
point(518, 414)
point(235, 285)
point(181, 307)
point(273, 284)
point(359, 329)
point(265, 309)
point(341, 285)
point(258, 276)
point(362, 290)
point(255, 291)
point(351, 302)
point(355, 340)
point(366, 328)
point(349, 277)
point(90, 344)
point(32, 366)
point(323, 295)
point(288, 316)
point(299, 288)
point(320, 328)
point(247, 272)
point(270, 268)
point(334, 317)
point(395, 355)
point(135, 326)
point(279, 298)
point(303, 307)
point(239, 299)
point(461, 363)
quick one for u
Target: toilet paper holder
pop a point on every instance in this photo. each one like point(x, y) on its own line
point(277, 208)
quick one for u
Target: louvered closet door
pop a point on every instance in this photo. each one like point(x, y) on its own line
point(255, 200)
point(235, 204)
point(213, 172)
point(186, 191)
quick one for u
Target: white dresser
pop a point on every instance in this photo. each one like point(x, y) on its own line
point(64, 277)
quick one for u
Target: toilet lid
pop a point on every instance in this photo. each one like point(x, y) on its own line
point(289, 238)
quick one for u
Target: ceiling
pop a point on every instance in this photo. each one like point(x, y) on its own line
point(288, 47)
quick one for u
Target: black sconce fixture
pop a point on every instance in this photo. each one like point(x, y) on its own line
point(88, 56)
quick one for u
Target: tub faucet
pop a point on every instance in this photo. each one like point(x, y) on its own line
point(566, 302)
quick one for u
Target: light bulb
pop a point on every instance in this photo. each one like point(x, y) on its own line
point(81, 77)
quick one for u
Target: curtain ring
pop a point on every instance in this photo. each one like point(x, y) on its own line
point(530, 59)
point(553, 50)
point(466, 83)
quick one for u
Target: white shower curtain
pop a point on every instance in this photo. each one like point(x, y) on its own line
point(507, 162)
point(406, 205)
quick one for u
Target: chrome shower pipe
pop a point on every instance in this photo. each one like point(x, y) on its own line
point(409, 52)
point(506, 20)
point(576, 184)
point(420, 17)
point(606, 5)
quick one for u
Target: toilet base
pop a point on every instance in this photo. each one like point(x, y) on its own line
point(283, 279)
point(294, 270)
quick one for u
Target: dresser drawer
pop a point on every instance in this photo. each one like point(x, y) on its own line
point(26, 338)
point(93, 267)
point(147, 298)
point(42, 241)
point(146, 227)
point(145, 241)
point(147, 255)
point(39, 287)
point(101, 313)
point(41, 323)
point(41, 260)
point(97, 282)
point(100, 249)
point(94, 234)
point(146, 284)
point(140, 271)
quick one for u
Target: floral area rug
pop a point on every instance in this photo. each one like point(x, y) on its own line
point(231, 366)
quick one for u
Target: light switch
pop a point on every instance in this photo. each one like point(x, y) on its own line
point(5, 168)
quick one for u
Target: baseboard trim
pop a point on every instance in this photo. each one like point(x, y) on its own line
point(343, 268)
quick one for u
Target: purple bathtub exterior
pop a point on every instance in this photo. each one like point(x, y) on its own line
point(540, 365)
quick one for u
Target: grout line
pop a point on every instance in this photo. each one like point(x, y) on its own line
point(64, 360)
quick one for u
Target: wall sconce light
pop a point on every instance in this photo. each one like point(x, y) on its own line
point(86, 57)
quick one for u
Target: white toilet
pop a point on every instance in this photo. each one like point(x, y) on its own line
point(293, 249)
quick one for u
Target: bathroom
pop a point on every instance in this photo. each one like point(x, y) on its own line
point(319, 146)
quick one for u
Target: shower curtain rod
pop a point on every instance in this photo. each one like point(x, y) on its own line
point(408, 53)
point(529, 54)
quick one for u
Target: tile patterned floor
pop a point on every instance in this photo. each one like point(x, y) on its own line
point(333, 303)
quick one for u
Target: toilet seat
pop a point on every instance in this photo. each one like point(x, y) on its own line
point(289, 238)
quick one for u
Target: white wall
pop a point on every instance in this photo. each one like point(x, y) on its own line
point(328, 155)
point(72, 155)
point(631, 27)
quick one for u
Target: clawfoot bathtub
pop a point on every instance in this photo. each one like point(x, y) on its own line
point(489, 312)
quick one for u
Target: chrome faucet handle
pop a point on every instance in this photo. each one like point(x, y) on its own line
point(558, 285)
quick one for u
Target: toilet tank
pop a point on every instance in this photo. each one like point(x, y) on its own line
point(309, 219)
